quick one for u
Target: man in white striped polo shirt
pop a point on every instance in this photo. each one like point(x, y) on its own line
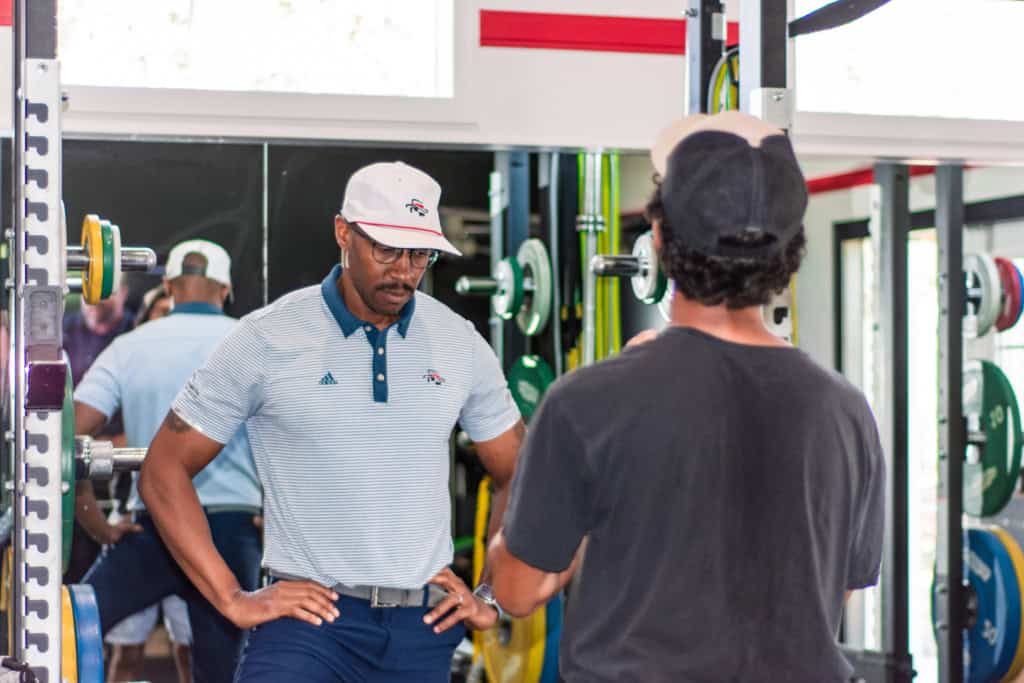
point(349, 391)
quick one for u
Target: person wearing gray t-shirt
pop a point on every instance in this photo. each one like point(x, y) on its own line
point(730, 490)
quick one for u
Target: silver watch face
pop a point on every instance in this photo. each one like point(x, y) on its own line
point(484, 592)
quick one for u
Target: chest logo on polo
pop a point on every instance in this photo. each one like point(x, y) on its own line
point(433, 377)
point(328, 380)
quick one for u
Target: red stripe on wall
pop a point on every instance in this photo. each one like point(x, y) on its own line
point(851, 179)
point(587, 32)
point(6, 13)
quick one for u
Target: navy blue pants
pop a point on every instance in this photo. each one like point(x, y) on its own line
point(363, 645)
point(139, 571)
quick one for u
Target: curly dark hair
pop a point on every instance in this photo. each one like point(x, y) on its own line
point(715, 280)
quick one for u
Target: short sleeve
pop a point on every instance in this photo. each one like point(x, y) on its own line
point(222, 394)
point(100, 387)
point(489, 410)
point(549, 510)
point(868, 533)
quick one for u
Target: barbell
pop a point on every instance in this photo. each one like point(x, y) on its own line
point(101, 258)
point(520, 287)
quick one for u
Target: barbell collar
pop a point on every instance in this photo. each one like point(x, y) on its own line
point(604, 265)
point(588, 222)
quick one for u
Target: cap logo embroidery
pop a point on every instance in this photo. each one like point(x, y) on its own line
point(416, 206)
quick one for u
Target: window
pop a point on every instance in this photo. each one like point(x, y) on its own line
point(340, 47)
point(942, 58)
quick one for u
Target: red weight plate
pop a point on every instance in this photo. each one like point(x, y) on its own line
point(1011, 295)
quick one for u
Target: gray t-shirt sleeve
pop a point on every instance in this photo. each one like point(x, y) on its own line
point(222, 394)
point(868, 532)
point(549, 510)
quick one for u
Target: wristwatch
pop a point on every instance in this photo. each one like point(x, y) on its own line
point(486, 596)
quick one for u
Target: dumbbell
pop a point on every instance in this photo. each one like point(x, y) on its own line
point(519, 287)
point(102, 259)
point(99, 460)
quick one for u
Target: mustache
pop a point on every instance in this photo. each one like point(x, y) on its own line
point(396, 286)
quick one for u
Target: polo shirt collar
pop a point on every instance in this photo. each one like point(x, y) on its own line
point(197, 307)
point(348, 322)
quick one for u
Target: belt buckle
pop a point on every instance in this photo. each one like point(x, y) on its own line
point(376, 602)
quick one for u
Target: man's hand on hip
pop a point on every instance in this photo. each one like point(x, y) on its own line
point(459, 605)
point(303, 600)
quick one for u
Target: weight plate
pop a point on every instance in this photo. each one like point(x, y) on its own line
point(536, 265)
point(553, 612)
point(992, 641)
point(1020, 283)
point(650, 283)
point(723, 93)
point(107, 235)
point(528, 380)
point(509, 297)
point(92, 246)
point(983, 292)
point(665, 305)
point(68, 646)
point(116, 254)
point(990, 407)
point(1017, 556)
point(67, 468)
point(1010, 294)
point(88, 636)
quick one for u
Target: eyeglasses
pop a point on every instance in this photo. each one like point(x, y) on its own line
point(385, 255)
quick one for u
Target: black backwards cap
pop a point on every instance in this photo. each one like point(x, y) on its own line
point(730, 185)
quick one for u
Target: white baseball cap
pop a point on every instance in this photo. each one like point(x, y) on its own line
point(396, 205)
point(218, 263)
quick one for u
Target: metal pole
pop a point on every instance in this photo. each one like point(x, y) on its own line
point(591, 222)
point(950, 596)
point(38, 368)
point(554, 187)
point(763, 43)
point(498, 201)
point(705, 37)
point(894, 185)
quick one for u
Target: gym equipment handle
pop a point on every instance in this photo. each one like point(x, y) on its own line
point(468, 285)
point(604, 265)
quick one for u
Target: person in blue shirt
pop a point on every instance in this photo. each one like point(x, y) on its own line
point(140, 373)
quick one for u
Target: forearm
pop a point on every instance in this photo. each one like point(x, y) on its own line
point(499, 501)
point(88, 513)
point(166, 488)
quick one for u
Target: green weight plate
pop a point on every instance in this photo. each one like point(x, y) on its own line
point(107, 236)
point(536, 264)
point(528, 380)
point(984, 292)
point(991, 409)
point(509, 298)
point(67, 468)
point(650, 283)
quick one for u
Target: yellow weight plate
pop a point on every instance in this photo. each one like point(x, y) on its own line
point(92, 245)
point(68, 640)
point(1018, 565)
point(513, 651)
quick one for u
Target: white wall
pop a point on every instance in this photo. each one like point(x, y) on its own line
point(506, 97)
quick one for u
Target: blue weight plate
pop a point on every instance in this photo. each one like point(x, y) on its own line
point(88, 635)
point(549, 673)
point(993, 639)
